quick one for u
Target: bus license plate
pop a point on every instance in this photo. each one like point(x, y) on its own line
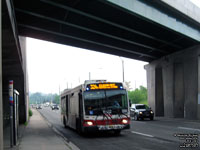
point(110, 127)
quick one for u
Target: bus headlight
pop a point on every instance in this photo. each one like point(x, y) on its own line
point(140, 113)
point(124, 121)
point(89, 123)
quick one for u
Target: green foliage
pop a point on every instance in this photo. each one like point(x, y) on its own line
point(26, 123)
point(138, 95)
point(30, 112)
point(39, 98)
point(56, 99)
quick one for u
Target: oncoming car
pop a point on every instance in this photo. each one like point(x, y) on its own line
point(53, 107)
point(141, 111)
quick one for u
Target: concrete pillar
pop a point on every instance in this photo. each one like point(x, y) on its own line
point(176, 79)
point(178, 91)
point(22, 41)
point(191, 87)
point(168, 90)
point(151, 86)
point(198, 102)
point(159, 102)
point(1, 91)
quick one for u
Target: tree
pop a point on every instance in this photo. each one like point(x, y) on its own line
point(39, 98)
point(56, 99)
point(138, 95)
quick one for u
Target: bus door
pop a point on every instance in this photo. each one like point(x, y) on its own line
point(79, 119)
point(80, 105)
point(67, 108)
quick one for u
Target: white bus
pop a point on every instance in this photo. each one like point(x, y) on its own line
point(96, 105)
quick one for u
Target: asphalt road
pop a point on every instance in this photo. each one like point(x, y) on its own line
point(160, 134)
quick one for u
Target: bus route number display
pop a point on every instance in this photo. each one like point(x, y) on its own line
point(101, 86)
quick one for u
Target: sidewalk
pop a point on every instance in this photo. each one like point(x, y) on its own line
point(39, 136)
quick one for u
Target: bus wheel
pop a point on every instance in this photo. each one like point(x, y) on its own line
point(64, 122)
point(78, 126)
point(117, 132)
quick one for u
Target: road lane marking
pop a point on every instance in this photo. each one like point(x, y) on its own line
point(189, 129)
point(142, 134)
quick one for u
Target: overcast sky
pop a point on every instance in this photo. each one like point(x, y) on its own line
point(52, 65)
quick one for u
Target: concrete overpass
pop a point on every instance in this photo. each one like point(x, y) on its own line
point(159, 32)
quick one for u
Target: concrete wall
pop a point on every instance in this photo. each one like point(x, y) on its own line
point(12, 67)
point(180, 81)
point(1, 100)
point(198, 105)
point(22, 41)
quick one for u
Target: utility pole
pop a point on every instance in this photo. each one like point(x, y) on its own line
point(89, 76)
point(59, 89)
point(122, 68)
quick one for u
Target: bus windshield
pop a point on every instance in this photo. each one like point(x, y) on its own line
point(104, 99)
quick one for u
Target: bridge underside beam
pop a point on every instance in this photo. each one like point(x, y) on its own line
point(83, 24)
point(159, 12)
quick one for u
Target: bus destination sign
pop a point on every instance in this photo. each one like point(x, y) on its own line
point(101, 86)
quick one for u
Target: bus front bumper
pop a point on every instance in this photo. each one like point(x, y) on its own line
point(105, 128)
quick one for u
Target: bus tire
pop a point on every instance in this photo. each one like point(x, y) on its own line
point(64, 122)
point(78, 126)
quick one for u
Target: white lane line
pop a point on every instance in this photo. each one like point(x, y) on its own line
point(193, 129)
point(142, 134)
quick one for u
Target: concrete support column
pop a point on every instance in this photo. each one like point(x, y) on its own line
point(178, 91)
point(168, 90)
point(198, 102)
point(151, 86)
point(159, 101)
point(1, 91)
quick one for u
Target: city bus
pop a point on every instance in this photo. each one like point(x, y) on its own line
point(96, 105)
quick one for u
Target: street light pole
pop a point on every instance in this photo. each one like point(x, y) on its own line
point(122, 68)
point(89, 76)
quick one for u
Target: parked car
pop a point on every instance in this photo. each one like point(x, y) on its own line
point(141, 111)
point(55, 107)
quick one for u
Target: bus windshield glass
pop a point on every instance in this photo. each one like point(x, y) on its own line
point(96, 101)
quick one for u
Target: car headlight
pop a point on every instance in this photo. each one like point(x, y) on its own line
point(140, 113)
point(151, 112)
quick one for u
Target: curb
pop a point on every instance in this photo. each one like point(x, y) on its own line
point(68, 143)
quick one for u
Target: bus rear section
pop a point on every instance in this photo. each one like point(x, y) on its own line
point(102, 107)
